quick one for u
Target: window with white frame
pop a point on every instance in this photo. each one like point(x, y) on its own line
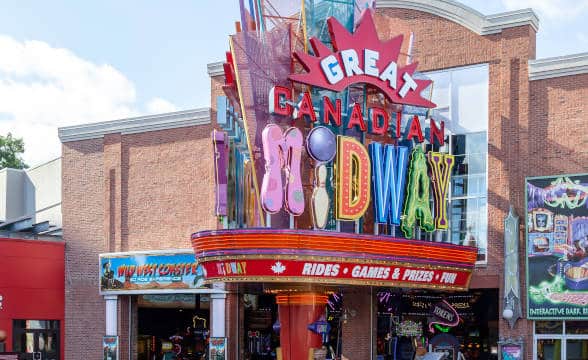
point(558, 340)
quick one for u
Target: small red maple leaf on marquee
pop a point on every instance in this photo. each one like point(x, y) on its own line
point(278, 268)
point(363, 44)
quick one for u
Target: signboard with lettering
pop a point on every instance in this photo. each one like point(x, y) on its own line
point(306, 151)
point(442, 313)
point(557, 247)
point(336, 272)
point(511, 352)
point(128, 272)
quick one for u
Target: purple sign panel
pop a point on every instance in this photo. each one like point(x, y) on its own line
point(219, 142)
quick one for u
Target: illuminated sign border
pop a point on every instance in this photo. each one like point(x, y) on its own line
point(280, 249)
point(347, 272)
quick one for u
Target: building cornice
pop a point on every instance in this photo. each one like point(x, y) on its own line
point(135, 125)
point(479, 23)
point(558, 66)
point(215, 69)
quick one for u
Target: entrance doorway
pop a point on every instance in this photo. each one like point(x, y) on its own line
point(404, 327)
point(173, 326)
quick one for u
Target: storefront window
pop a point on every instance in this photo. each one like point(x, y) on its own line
point(461, 95)
point(404, 323)
point(577, 349)
point(172, 325)
point(548, 327)
point(37, 336)
point(549, 349)
point(561, 340)
point(577, 327)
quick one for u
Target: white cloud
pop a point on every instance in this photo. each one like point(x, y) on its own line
point(551, 9)
point(159, 105)
point(43, 88)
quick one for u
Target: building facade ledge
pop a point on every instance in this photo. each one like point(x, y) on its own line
point(477, 22)
point(135, 125)
point(558, 66)
point(215, 69)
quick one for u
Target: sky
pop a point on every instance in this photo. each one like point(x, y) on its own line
point(68, 62)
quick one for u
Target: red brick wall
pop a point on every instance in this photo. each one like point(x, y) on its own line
point(535, 128)
point(142, 191)
point(558, 136)
point(439, 44)
point(152, 190)
point(83, 232)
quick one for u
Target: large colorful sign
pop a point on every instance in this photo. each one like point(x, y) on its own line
point(361, 58)
point(557, 247)
point(133, 272)
point(358, 108)
point(290, 255)
point(400, 183)
point(348, 272)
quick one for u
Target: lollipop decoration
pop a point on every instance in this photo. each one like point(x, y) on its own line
point(321, 145)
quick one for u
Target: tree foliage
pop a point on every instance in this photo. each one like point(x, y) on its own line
point(11, 150)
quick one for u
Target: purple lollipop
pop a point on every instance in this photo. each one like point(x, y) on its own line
point(321, 144)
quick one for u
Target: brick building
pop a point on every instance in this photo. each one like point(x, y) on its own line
point(140, 187)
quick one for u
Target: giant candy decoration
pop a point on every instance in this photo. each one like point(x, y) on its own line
point(321, 146)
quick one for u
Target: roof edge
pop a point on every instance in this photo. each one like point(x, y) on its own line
point(475, 21)
point(574, 64)
point(215, 68)
point(135, 125)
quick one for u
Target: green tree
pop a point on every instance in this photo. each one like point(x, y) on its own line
point(10, 152)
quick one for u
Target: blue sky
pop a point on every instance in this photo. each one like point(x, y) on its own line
point(66, 62)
